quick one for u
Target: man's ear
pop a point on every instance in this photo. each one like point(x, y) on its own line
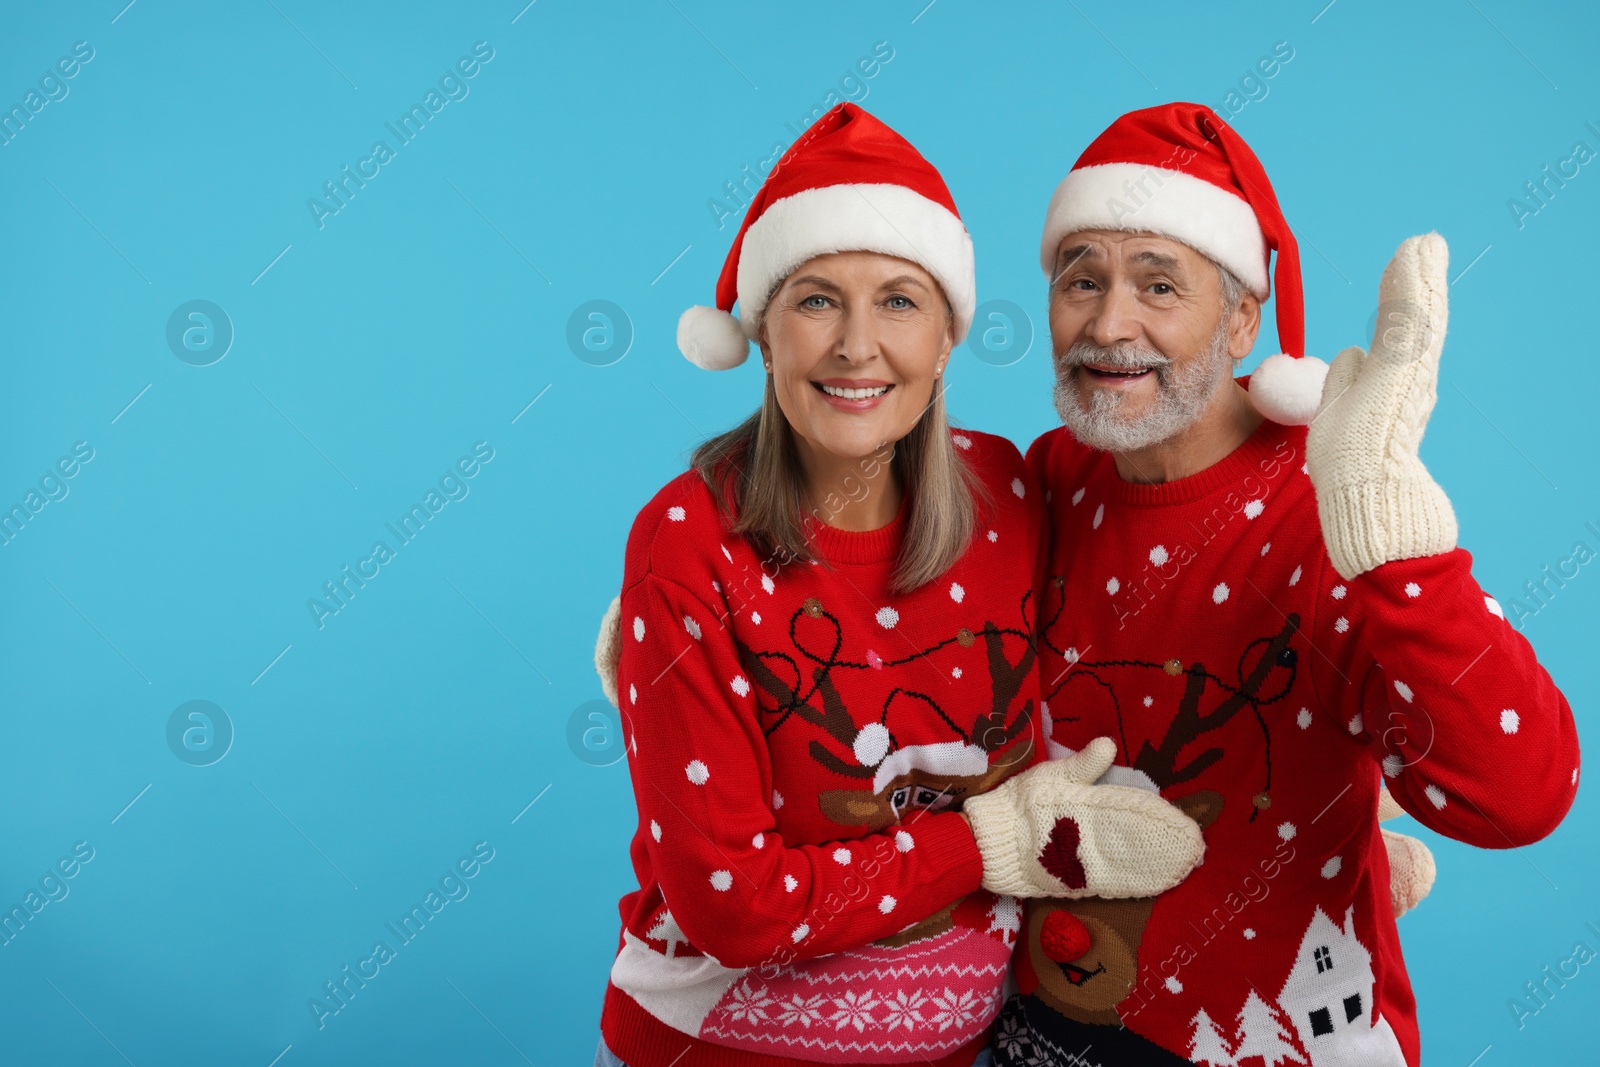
point(1244, 327)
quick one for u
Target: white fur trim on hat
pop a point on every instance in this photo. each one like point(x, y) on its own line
point(712, 339)
point(1149, 199)
point(1288, 390)
point(890, 219)
point(953, 759)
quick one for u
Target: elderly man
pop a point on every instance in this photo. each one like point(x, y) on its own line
point(1271, 621)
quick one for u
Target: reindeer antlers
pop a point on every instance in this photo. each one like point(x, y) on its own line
point(1160, 763)
point(989, 730)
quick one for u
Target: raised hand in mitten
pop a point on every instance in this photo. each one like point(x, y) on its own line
point(1376, 500)
point(1052, 832)
point(1411, 867)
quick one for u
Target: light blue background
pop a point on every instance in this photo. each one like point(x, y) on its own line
point(427, 714)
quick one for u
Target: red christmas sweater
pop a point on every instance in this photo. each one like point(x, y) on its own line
point(1200, 624)
point(799, 740)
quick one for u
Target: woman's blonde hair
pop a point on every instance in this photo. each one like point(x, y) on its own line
point(754, 474)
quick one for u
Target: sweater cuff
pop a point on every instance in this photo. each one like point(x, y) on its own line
point(946, 843)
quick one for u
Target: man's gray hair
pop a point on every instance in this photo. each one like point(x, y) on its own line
point(1232, 288)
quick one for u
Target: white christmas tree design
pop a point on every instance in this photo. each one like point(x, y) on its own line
point(666, 929)
point(1207, 1045)
point(1261, 1034)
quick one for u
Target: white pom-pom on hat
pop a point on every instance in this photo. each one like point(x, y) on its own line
point(712, 339)
point(871, 744)
point(1288, 389)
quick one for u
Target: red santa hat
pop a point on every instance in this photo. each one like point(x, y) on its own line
point(1180, 171)
point(849, 184)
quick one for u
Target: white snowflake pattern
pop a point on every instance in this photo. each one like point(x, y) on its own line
point(1435, 796)
point(1076, 497)
point(755, 617)
point(1341, 625)
point(1393, 765)
point(955, 672)
point(739, 685)
point(1287, 831)
point(777, 800)
point(1112, 585)
point(1331, 869)
point(1173, 985)
point(887, 617)
point(904, 841)
point(1404, 690)
point(1099, 514)
point(1494, 606)
point(799, 932)
point(994, 535)
point(766, 583)
point(655, 829)
point(854, 1010)
point(1413, 590)
point(842, 857)
point(1249, 934)
point(1337, 592)
point(1220, 593)
point(1303, 719)
point(957, 593)
point(726, 554)
point(697, 772)
point(1158, 555)
point(1294, 579)
point(1355, 724)
point(790, 883)
point(1149, 701)
point(638, 628)
point(758, 840)
point(1017, 487)
point(633, 694)
point(676, 514)
point(1509, 721)
point(904, 1009)
point(1253, 509)
point(956, 1009)
point(691, 626)
point(722, 881)
point(749, 1004)
point(801, 1011)
point(962, 441)
point(1266, 548)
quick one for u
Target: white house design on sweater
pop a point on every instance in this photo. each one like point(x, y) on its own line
point(1328, 999)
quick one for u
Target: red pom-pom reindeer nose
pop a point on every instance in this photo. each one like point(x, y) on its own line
point(1064, 938)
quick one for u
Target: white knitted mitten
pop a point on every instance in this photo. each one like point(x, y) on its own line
point(1411, 866)
point(1051, 832)
point(1376, 500)
point(607, 647)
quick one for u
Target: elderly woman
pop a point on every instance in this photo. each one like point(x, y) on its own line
point(825, 663)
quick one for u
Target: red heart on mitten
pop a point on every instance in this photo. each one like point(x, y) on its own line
point(1060, 854)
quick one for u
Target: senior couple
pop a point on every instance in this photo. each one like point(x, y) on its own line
point(947, 756)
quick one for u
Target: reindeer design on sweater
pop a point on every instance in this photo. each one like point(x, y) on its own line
point(1085, 953)
point(899, 781)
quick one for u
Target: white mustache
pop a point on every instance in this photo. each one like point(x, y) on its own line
point(1121, 356)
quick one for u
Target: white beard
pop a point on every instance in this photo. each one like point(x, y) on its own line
point(1182, 393)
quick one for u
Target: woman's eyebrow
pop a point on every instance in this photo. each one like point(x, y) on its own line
point(813, 279)
point(903, 281)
